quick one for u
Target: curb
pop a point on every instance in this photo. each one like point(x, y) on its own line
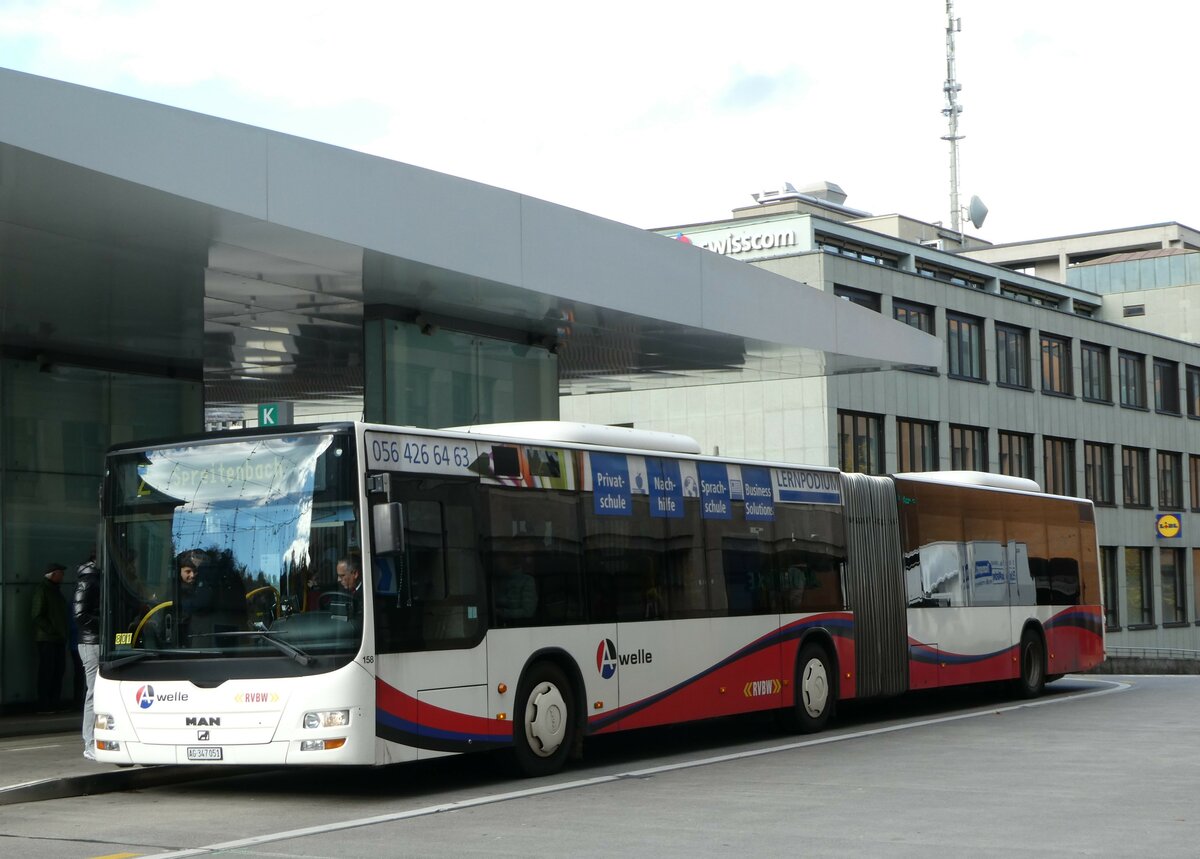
point(133, 778)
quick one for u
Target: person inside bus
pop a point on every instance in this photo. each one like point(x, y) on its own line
point(190, 564)
point(349, 576)
point(514, 590)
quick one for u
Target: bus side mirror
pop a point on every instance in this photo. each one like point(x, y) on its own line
point(387, 528)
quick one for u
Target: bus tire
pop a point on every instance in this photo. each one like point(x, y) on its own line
point(815, 689)
point(1032, 658)
point(544, 727)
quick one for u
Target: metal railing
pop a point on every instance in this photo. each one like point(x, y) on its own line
point(1152, 653)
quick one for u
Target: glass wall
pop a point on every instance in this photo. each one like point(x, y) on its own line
point(432, 377)
point(57, 423)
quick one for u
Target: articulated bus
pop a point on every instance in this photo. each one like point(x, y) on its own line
point(362, 594)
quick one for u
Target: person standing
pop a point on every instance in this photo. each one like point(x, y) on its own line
point(50, 634)
point(87, 625)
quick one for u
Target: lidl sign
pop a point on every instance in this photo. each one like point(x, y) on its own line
point(1168, 526)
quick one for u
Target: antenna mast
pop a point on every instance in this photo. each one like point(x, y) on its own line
point(951, 112)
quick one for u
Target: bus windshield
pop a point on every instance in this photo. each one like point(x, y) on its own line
point(230, 548)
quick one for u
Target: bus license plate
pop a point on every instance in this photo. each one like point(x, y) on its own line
point(204, 753)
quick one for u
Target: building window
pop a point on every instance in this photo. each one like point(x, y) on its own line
point(861, 297)
point(916, 445)
point(1194, 480)
point(1098, 472)
point(1132, 370)
point(1174, 590)
point(1094, 364)
point(860, 442)
point(1193, 392)
point(1056, 365)
point(1139, 589)
point(1012, 356)
point(1170, 480)
point(968, 448)
point(1016, 454)
point(1166, 387)
point(919, 316)
point(1059, 465)
point(964, 338)
point(1135, 477)
point(1133, 310)
point(1108, 575)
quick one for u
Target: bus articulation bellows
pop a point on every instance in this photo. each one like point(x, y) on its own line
point(525, 586)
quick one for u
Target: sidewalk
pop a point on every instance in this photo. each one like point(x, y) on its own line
point(41, 757)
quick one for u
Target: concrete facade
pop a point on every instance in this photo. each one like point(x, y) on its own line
point(801, 419)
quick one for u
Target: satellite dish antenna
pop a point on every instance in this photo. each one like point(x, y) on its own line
point(976, 212)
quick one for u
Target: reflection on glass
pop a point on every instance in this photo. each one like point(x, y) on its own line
point(215, 547)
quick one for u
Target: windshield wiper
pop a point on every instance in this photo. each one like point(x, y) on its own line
point(290, 649)
point(128, 659)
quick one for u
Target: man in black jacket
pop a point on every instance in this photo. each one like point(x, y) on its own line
point(87, 623)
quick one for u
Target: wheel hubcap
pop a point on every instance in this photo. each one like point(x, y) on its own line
point(814, 688)
point(545, 719)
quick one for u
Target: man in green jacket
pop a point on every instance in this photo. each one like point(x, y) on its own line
point(50, 635)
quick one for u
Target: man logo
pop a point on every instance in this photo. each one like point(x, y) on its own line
point(202, 736)
point(606, 658)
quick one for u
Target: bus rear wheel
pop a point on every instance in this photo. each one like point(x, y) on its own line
point(1033, 665)
point(815, 692)
point(545, 723)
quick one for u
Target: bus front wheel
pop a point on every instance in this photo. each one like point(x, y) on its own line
point(1033, 665)
point(815, 692)
point(542, 731)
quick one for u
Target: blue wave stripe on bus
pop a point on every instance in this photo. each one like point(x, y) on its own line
point(919, 652)
point(391, 727)
point(1079, 618)
point(839, 627)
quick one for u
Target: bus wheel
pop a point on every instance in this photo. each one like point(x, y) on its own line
point(814, 689)
point(542, 736)
point(1033, 666)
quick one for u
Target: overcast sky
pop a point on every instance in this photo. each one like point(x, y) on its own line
point(1078, 114)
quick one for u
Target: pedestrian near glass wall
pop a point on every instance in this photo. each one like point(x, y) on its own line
point(49, 612)
point(87, 624)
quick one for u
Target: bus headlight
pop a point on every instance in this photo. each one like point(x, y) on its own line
point(105, 722)
point(327, 719)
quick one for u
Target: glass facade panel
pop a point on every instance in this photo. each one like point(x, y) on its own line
point(449, 378)
point(1193, 392)
point(58, 421)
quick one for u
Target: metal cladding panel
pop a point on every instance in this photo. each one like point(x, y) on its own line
point(875, 587)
